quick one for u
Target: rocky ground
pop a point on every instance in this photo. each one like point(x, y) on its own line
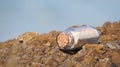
point(40, 50)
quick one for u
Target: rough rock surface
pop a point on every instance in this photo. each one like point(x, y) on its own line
point(34, 50)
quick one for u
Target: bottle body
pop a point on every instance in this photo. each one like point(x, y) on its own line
point(75, 37)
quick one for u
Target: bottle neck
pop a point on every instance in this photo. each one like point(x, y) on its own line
point(71, 40)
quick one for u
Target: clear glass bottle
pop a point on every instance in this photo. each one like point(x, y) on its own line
point(73, 38)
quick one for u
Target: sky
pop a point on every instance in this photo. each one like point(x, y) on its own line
point(42, 16)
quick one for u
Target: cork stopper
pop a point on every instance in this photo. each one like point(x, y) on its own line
point(62, 40)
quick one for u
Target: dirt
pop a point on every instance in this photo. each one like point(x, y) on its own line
point(41, 50)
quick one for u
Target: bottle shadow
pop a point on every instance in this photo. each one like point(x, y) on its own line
point(71, 51)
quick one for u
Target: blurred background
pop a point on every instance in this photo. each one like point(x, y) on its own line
point(42, 16)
